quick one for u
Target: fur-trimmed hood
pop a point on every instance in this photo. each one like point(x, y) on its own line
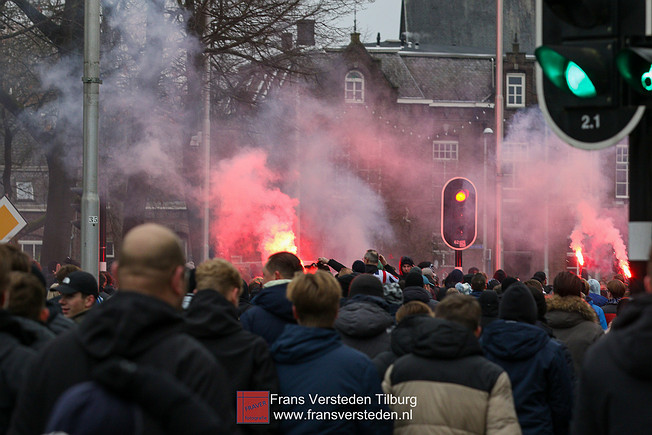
point(568, 311)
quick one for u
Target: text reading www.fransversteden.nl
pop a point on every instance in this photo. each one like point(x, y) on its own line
point(317, 399)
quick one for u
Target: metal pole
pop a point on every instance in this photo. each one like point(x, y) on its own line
point(499, 134)
point(207, 152)
point(90, 201)
point(485, 203)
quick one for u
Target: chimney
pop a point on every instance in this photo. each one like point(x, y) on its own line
point(306, 32)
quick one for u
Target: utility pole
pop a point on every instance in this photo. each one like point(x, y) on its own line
point(498, 254)
point(90, 201)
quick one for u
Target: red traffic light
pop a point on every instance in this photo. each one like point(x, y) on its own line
point(461, 195)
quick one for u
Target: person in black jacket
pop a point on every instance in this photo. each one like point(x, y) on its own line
point(212, 318)
point(15, 351)
point(141, 323)
point(616, 380)
point(541, 376)
point(364, 321)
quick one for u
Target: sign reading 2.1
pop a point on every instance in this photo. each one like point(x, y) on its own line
point(590, 122)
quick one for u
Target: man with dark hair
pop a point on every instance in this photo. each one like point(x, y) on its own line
point(271, 310)
point(141, 323)
point(312, 362)
point(457, 389)
point(615, 385)
point(478, 284)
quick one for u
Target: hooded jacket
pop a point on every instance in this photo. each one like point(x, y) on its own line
point(271, 311)
point(574, 323)
point(132, 326)
point(313, 361)
point(363, 322)
point(616, 381)
point(541, 378)
point(16, 355)
point(402, 341)
point(458, 391)
point(213, 321)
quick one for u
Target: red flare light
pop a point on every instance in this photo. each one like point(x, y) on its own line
point(580, 257)
point(624, 265)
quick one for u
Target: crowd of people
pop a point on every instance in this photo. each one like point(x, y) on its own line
point(158, 347)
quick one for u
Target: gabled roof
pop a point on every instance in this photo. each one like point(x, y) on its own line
point(438, 76)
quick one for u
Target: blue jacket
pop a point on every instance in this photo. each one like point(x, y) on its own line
point(541, 377)
point(597, 299)
point(313, 361)
point(600, 312)
point(270, 312)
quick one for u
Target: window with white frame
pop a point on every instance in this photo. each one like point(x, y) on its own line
point(354, 87)
point(24, 191)
point(444, 150)
point(622, 171)
point(515, 90)
point(32, 248)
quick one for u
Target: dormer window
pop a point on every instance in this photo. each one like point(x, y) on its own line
point(354, 87)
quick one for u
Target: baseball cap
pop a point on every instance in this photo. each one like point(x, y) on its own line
point(78, 281)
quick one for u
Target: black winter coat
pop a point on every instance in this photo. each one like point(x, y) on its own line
point(616, 380)
point(213, 321)
point(15, 357)
point(364, 324)
point(132, 326)
point(402, 341)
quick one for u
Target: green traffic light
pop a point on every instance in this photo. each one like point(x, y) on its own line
point(646, 80)
point(579, 82)
point(564, 73)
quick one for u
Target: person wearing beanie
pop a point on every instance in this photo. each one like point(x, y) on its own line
point(488, 300)
point(364, 320)
point(415, 291)
point(572, 320)
point(537, 292)
point(541, 375)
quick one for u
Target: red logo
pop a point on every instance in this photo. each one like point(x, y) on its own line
point(252, 407)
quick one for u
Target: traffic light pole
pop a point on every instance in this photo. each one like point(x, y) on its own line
point(90, 201)
point(640, 201)
point(458, 260)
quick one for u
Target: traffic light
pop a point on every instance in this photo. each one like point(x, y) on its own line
point(459, 213)
point(581, 92)
point(635, 66)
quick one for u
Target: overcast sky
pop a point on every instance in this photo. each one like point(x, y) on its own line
point(380, 16)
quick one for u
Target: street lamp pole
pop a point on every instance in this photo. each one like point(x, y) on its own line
point(486, 253)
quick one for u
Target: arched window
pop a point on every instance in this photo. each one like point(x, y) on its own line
point(354, 87)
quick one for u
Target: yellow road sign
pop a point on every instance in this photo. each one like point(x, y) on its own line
point(11, 222)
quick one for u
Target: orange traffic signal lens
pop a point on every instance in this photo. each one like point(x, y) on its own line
point(460, 196)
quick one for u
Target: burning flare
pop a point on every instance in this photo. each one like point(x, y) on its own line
point(580, 257)
point(279, 240)
point(624, 265)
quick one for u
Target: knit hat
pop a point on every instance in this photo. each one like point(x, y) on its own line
point(366, 284)
point(358, 266)
point(463, 287)
point(414, 279)
point(594, 286)
point(540, 300)
point(518, 304)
